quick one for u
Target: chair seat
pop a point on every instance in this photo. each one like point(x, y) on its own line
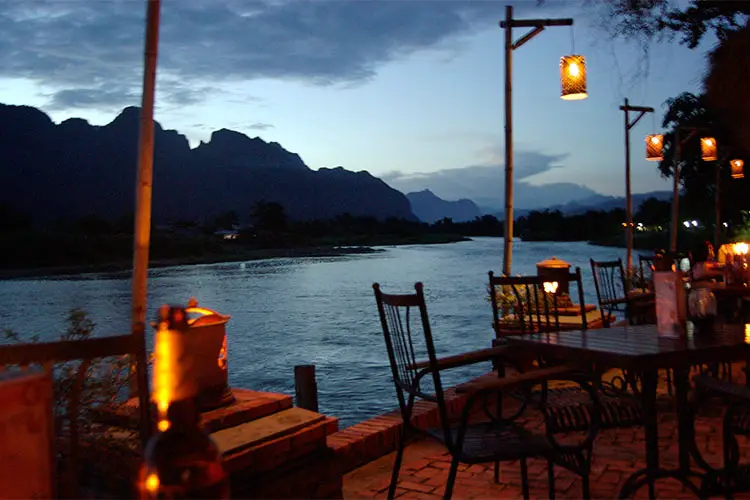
point(568, 409)
point(490, 441)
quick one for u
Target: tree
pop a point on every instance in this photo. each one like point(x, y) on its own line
point(654, 212)
point(727, 86)
point(645, 20)
point(226, 220)
point(269, 216)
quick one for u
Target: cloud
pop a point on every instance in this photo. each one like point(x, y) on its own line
point(260, 126)
point(96, 47)
point(484, 184)
point(475, 181)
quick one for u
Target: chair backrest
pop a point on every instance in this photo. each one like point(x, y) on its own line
point(646, 263)
point(611, 290)
point(532, 304)
point(408, 339)
point(47, 354)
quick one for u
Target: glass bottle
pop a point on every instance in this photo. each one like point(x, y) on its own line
point(181, 461)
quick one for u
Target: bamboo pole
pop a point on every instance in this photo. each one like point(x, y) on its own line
point(144, 182)
point(508, 226)
point(537, 26)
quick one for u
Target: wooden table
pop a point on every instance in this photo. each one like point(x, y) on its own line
point(640, 349)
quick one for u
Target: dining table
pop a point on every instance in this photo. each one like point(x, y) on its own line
point(642, 351)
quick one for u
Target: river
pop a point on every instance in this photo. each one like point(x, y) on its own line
point(321, 311)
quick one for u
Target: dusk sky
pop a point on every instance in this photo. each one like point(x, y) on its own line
point(411, 91)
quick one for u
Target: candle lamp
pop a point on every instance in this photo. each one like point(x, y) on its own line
point(737, 270)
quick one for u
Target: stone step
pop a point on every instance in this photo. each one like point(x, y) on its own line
point(248, 405)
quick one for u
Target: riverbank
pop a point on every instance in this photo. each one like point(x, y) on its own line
point(233, 253)
point(246, 255)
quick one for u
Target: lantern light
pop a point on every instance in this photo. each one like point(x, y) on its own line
point(654, 147)
point(737, 169)
point(708, 148)
point(573, 78)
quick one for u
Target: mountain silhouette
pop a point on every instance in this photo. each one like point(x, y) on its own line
point(75, 169)
point(430, 208)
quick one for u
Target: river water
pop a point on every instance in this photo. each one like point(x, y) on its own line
point(318, 311)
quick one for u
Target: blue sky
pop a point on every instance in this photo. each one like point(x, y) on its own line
point(409, 90)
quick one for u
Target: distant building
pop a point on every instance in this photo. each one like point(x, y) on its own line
point(228, 234)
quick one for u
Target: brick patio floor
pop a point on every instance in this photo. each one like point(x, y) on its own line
point(617, 454)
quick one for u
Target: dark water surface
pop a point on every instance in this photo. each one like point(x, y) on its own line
point(308, 310)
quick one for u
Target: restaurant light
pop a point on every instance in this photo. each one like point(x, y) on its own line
point(737, 169)
point(573, 77)
point(654, 147)
point(708, 148)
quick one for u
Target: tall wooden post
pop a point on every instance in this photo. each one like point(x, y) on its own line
point(508, 213)
point(717, 207)
point(142, 229)
point(537, 26)
point(675, 193)
point(628, 197)
point(642, 110)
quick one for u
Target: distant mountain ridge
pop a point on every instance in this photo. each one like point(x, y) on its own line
point(76, 169)
point(430, 208)
point(597, 202)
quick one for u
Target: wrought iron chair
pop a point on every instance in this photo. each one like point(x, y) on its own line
point(611, 289)
point(68, 431)
point(524, 304)
point(733, 476)
point(646, 264)
point(468, 441)
point(619, 408)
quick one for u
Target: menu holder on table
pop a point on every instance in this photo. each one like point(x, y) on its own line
point(26, 434)
point(671, 303)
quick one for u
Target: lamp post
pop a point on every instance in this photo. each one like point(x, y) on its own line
point(709, 150)
point(144, 182)
point(641, 110)
point(576, 71)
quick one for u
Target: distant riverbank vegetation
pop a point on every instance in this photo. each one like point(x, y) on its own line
point(94, 244)
point(651, 225)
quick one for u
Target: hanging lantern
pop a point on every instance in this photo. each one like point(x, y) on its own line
point(573, 78)
point(708, 148)
point(654, 146)
point(737, 169)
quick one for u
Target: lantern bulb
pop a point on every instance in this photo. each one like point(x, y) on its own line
point(573, 70)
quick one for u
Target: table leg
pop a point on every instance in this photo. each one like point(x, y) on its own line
point(685, 429)
point(651, 426)
point(650, 423)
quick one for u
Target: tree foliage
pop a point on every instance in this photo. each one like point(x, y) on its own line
point(727, 87)
point(646, 20)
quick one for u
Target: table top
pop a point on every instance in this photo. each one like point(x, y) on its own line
point(721, 288)
point(640, 346)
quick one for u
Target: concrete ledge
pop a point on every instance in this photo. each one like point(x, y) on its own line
point(369, 440)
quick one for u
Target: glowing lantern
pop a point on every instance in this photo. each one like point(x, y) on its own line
point(573, 78)
point(550, 286)
point(654, 146)
point(708, 148)
point(737, 169)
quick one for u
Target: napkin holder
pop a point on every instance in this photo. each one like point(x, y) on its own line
point(671, 303)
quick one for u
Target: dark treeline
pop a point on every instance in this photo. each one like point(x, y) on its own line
point(94, 242)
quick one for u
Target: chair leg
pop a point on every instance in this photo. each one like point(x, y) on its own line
point(585, 487)
point(524, 479)
point(451, 479)
point(669, 381)
point(397, 464)
point(551, 479)
point(497, 472)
